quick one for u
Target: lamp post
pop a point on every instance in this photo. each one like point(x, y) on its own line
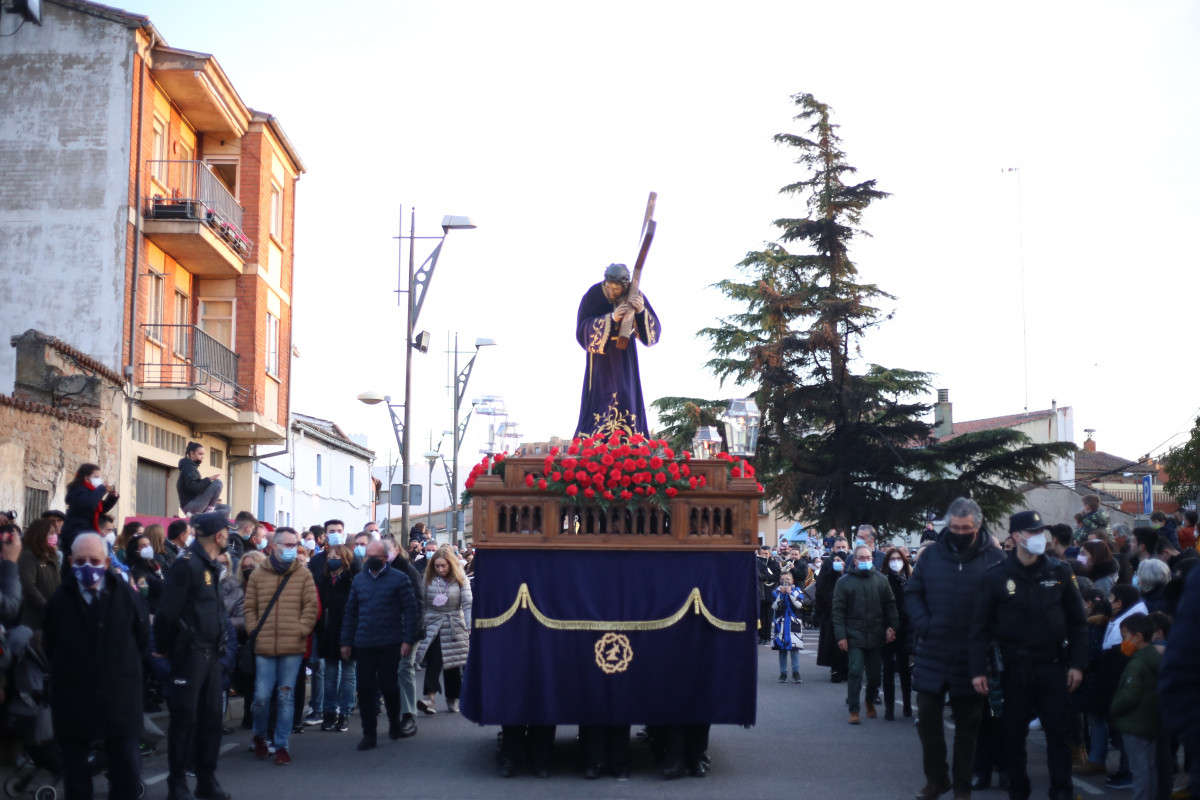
point(415, 290)
point(741, 427)
point(460, 429)
point(707, 442)
point(431, 456)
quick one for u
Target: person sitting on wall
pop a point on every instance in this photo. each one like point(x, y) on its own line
point(198, 495)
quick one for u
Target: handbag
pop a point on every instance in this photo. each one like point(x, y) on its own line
point(245, 662)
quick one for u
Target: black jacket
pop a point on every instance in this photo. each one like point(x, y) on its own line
point(1178, 678)
point(95, 660)
point(1029, 612)
point(190, 485)
point(191, 614)
point(333, 593)
point(769, 572)
point(83, 505)
point(940, 599)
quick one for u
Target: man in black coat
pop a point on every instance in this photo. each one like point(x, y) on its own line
point(95, 633)
point(940, 598)
point(197, 495)
point(769, 571)
point(1178, 678)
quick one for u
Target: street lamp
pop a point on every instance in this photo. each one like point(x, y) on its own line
point(741, 427)
point(431, 456)
point(707, 442)
point(415, 289)
point(460, 391)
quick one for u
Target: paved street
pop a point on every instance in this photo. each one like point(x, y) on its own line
point(802, 742)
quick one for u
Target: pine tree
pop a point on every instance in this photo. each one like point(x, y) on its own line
point(839, 445)
point(1182, 465)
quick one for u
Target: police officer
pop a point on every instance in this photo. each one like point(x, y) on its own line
point(190, 631)
point(1031, 608)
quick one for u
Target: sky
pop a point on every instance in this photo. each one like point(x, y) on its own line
point(1072, 279)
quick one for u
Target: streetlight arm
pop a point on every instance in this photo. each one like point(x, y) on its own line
point(397, 424)
point(421, 279)
point(461, 379)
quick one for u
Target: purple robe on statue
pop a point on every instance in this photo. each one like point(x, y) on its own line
point(612, 387)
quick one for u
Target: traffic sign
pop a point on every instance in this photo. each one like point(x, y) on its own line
point(1147, 494)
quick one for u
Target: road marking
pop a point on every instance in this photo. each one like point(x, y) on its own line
point(225, 748)
point(1087, 787)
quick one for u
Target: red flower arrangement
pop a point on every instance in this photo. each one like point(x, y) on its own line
point(616, 470)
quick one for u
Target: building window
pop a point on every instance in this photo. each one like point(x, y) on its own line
point(36, 502)
point(216, 319)
point(318, 469)
point(183, 317)
point(272, 345)
point(352, 479)
point(158, 166)
point(154, 315)
point(152, 483)
point(216, 458)
point(762, 508)
point(276, 212)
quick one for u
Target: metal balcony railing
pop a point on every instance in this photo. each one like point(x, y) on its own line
point(192, 359)
point(193, 192)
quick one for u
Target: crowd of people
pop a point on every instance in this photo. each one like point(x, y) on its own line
point(212, 609)
point(1088, 632)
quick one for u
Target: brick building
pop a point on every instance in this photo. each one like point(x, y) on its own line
point(147, 224)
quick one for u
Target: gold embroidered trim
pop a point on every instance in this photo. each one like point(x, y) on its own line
point(524, 600)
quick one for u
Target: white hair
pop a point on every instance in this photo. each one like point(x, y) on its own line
point(88, 537)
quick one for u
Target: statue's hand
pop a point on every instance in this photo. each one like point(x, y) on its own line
point(620, 311)
point(637, 303)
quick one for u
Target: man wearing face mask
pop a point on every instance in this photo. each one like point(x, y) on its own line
point(864, 620)
point(95, 613)
point(189, 630)
point(379, 627)
point(335, 536)
point(281, 604)
point(1029, 606)
point(940, 599)
point(177, 540)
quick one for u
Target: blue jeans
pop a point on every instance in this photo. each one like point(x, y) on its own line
point(316, 697)
point(1098, 730)
point(1142, 765)
point(783, 659)
point(407, 676)
point(341, 680)
point(269, 672)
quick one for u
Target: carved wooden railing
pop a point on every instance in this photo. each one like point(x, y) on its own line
point(721, 515)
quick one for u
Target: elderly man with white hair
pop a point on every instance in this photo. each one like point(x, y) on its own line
point(95, 633)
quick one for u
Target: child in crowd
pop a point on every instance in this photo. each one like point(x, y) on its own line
point(1134, 711)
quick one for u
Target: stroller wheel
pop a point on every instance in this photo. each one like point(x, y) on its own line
point(16, 785)
point(45, 793)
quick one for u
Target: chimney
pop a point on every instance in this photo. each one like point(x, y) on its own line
point(943, 416)
point(1089, 444)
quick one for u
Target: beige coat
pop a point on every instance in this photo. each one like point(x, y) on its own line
point(286, 630)
point(452, 621)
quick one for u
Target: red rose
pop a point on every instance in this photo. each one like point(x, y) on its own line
point(637, 438)
point(660, 478)
point(542, 484)
point(587, 452)
point(748, 469)
point(626, 480)
point(759, 486)
point(612, 483)
point(598, 479)
point(686, 455)
point(607, 460)
point(608, 495)
point(573, 449)
point(529, 481)
point(623, 451)
point(589, 493)
point(469, 483)
point(692, 482)
point(736, 472)
point(629, 465)
point(568, 475)
point(639, 490)
point(553, 451)
point(671, 491)
point(626, 495)
point(556, 476)
point(547, 464)
point(572, 490)
point(499, 457)
point(615, 474)
point(651, 490)
point(668, 452)
point(641, 463)
point(614, 440)
point(656, 463)
point(685, 470)
point(569, 463)
point(702, 480)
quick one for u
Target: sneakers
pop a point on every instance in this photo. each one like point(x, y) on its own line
point(282, 759)
point(1119, 781)
point(1089, 768)
point(408, 726)
point(796, 677)
point(854, 718)
point(261, 749)
point(426, 705)
point(1036, 725)
point(329, 722)
point(452, 706)
point(314, 719)
point(783, 677)
point(342, 724)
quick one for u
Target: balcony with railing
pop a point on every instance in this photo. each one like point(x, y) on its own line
point(185, 370)
point(191, 215)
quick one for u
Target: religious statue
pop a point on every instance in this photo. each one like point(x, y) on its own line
point(612, 387)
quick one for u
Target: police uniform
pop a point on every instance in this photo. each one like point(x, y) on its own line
point(190, 630)
point(1035, 617)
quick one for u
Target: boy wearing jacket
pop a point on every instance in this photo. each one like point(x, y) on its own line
point(1134, 711)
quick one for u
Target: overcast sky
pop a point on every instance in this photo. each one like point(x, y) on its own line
point(548, 123)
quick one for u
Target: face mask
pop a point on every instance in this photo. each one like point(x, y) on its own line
point(864, 565)
point(1035, 545)
point(87, 575)
point(961, 540)
point(896, 565)
point(859, 543)
point(246, 574)
point(111, 538)
point(843, 552)
point(287, 554)
point(52, 540)
point(391, 556)
point(96, 481)
point(334, 564)
point(360, 551)
point(262, 545)
point(146, 553)
point(375, 536)
point(310, 545)
point(1082, 558)
point(335, 539)
point(374, 563)
point(838, 566)
point(1128, 648)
